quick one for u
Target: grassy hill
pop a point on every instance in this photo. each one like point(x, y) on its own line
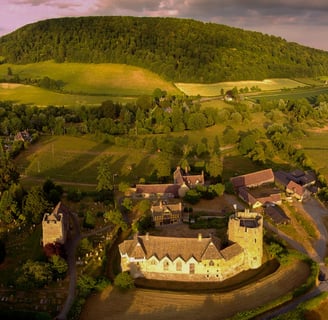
point(181, 50)
point(84, 84)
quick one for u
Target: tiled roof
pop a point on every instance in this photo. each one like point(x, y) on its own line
point(231, 251)
point(295, 188)
point(158, 188)
point(190, 180)
point(253, 179)
point(164, 207)
point(277, 214)
point(186, 248)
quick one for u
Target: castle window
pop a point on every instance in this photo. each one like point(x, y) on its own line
point(191, 268)
point(255, 240)
point(211, 263)
point(178, 266)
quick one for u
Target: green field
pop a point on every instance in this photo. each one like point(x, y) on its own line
point(316, 147)
point(309, 93)
point(214, 89)
point(83, 80)
point(31, 95)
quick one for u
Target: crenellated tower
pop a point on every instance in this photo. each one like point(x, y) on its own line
point(246, 229)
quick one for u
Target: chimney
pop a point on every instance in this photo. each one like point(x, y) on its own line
point(199, 237)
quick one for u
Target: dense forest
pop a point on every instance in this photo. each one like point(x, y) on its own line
point(177, 49)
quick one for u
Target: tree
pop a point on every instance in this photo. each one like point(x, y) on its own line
point(34, 274)
point(8, 174)
point(59, 266)
point(85, 246)
point(85, 285)
point(116, 218)
point(8, 207)
point(163, 166)
point(105, 176)
point(196, 121)
point(214, 166)
point(192, 196)
point(127, 204)
point(35, 205)
point(230, 135)
point(89, 220)
point(218, 189)
point(124, 281)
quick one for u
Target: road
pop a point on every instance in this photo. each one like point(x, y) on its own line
point(316, 211)
point(71, 246)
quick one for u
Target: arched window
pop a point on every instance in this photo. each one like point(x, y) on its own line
point(178, 266)
point(211, 263)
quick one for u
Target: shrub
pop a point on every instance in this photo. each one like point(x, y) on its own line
point(124, 281)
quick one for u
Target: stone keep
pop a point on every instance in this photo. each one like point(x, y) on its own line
point(246, 229)
point(55, 225)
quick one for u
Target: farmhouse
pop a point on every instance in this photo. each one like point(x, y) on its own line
point(256, 188)
point(55, 225)
point(297, 183)
point(182, 183)
point(196, 259)
point(166, 213)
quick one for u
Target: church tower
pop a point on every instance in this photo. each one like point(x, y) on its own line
point(246, 229)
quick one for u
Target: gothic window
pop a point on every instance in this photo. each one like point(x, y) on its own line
point(191, 268)
point(153, 262)
point(178, 266)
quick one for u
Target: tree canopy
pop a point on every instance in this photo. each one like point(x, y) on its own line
point(178, 49)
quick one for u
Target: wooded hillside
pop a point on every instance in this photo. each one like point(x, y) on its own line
point(178, 49)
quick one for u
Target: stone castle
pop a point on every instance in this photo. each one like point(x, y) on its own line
point(197, 259)
point(55, 225)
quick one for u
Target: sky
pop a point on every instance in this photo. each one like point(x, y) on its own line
point(301, 21)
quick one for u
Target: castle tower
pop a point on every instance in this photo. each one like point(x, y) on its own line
point(55, 225)
point(246, 229)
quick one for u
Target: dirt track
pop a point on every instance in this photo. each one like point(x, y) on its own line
point(138, 304)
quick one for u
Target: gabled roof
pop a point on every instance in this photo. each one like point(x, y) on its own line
point(253, 179)
point(277, 214)
point(212, 252)
point(190, 180)
point(166, 207)
point(295, 188)
point(173, 248)
point(158, 188)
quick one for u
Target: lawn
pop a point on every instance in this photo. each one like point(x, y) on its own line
point(214, 89)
